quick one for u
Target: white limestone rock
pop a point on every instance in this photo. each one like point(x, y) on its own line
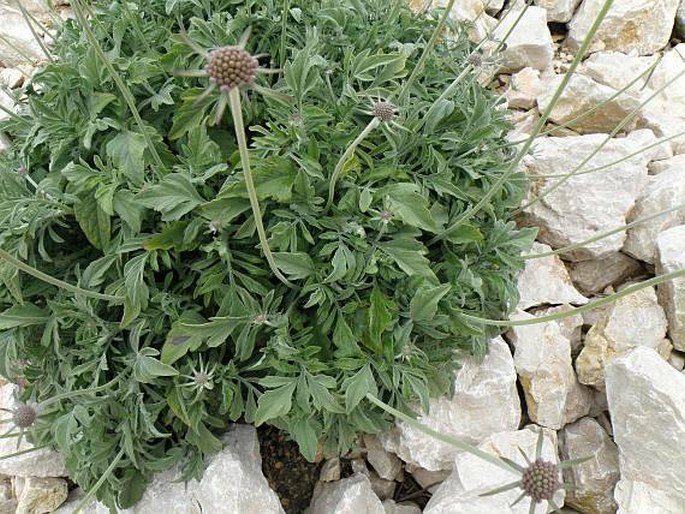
point(11, 78)
point(647, 404)
point(39, 463)
point(594, 480)
point(492, 7)
point(571, 327)
point(663, 191)
point(13, 28)
point(545, 281)
point(634, 320)
point(351, 495)
point(657, 167)
point(233, 481)
point(41, 495)
point(524, 88)
point(481, 388)
point(542, 356)
point(595, 275)
point(617, 70)
point(391, 507)
point(529, 44)
point(558, 10)
point(585, 204)
point(587, 106)
point(473, 11)
point(643, 26)
point(386, 464)
point(473, 476)
point(670, 258)
point(677, 360)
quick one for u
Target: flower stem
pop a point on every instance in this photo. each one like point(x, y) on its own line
point(84, 501)
point(239, 126)
point(346, 156)
point(55, 281)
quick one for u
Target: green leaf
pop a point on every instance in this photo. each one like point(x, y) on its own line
point(275, 403)
point(173, 196)
point(128, 209)
point(126, 151)
point(357, 386)
point(465, 233)
point(367, 67)
point(94, 222)
point(146, 367)
point(424, 304)
point(296, 265)
point(304, 435)
point(181, 339)
point(381, 316)
point(406, 202)
point(25, 315)
point(408, 254)
point(137, 292)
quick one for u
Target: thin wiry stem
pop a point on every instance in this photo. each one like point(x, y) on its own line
point(123, 88)
point(239, 126)
point(426, 51)
point(577, 310)
point(35, 35)
point(89, 495)
point(469, 213)
point(452, 441)
point(55, 281)
point(346, 156)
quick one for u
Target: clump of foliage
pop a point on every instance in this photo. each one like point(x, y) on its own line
point(124, 196)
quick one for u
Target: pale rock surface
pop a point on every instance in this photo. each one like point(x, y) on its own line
point(617, 70)
point(41, 495)
point(430, 480)
point(7, 103)
point(528, 44)
point(542, 356)
point(466, 10)
point(585, 204)
point(232, 482)
point(670, 258)
point(14, 28)
point(558, 10)
point(384, 489)
point(524, 88)
point(663, 191)
point(680, 20)
point(386, 464)
point(33, 6)
point(647, 404)
point(677, 360)
point(39, 463)
point(545, 281)
point(587, 106)
point(634, 320)
point(493, 6)
point(657, 167)
point(11, 77)
point(594, 479)
point(473, 476)
point(351, 495)
point(391, 507)
point(595, 275)
point(480, 388)
point(640, 25)
point(571, 327)
point(330, 470)
point(649, 146)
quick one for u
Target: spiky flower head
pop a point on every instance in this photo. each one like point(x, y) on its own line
point(24, 416)
point(475, 59)
point(540, 480)
point(231, 66)
point(384, 111)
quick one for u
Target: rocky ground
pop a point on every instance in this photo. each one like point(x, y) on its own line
point(606, 383)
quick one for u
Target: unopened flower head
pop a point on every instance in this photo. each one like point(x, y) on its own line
point(24, 416)
point(384, 111)
point(540, 480)
point(231, 66)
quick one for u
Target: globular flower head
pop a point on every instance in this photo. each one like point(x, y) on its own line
point(384, 111)
point(24, 416)
point(540, 480)
point(231, 66)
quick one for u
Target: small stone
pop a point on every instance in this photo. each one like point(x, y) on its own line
point(647, 404)
point(11, 77)
point(386, 464)
point(677, 360)
point(528, 40)
point(41, 495)
point(630, 25)
point(670, 258)
point(391, 507)
point(524, 89)
point(542, 356)
point(359, 466)
point(595, 275)
point(586, 106)
point(427, 479)
point(634, 320)
point(594, 479)
point(558, 10)
point(330, 470)
point(352, 495)
point(571, 327)
point(545, 281)
point(384, 489)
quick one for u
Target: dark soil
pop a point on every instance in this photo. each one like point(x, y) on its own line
point(287, 471)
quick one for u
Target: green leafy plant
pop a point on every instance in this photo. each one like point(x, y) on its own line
point(321, 245)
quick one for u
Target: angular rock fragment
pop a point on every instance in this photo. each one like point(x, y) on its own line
point(670, 258)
